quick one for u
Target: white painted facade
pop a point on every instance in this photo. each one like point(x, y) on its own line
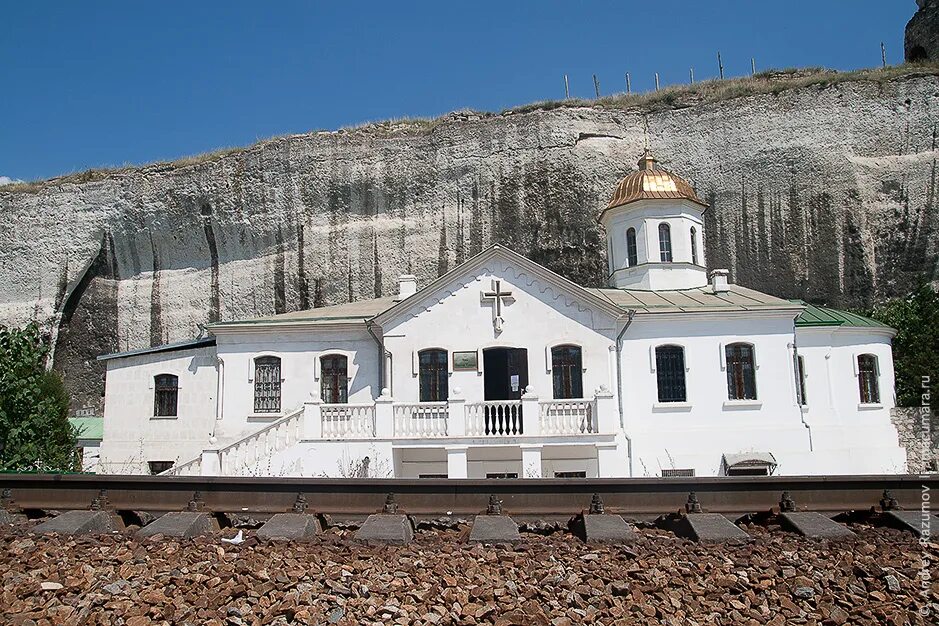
point(497, 318)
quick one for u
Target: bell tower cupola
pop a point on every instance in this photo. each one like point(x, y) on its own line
point(655, 231)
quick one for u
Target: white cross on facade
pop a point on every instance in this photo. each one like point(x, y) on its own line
point(496, 296)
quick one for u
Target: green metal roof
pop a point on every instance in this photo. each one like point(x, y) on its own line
point(815, 315)
point(88, 427)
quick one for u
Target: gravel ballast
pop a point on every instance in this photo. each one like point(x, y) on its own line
point(778, 578)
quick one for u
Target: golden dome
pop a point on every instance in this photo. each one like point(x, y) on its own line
point(652, 183)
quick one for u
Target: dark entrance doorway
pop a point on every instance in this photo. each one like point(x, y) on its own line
point(505, 372)
point(505, 376)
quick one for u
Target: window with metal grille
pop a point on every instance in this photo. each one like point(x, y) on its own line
point(267, 384)
point(432, 476)
point(334, 379)
point(670, 373)
point(582, 474)
point(677, 473)
point(568, 372)
point(741, 377)
point(502, 475)
point(632, 254)
point(694, 246)
point(158, 467)
point(799, 365)
point(867, 379)
point(165, 395)
point(665, 243)
point(432, 365)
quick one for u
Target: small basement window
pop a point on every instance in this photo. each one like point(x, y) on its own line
point(432, 476)
point(677, 473)
point(502, 475)
point(158, 467)
point(748, 464)
point(582, 474)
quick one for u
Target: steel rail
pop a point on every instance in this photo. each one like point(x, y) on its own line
point(427, 497)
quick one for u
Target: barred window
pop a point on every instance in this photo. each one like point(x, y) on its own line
point(632, 255)
point(670, 373)
point(433, 375)
point(267, 384)
point(867, 379)
point(567, 370)
point(165, 395)
point(741, 377)
point(799, 364)
point(665, 242)
point(694, 246)
point(334, 379)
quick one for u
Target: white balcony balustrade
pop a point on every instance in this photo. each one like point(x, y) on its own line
point(495, 418)
point(420, 420)
point(348, 421)
point(568, 417)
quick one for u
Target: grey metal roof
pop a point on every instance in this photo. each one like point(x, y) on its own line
point(696, 299)
point(359, 310)
point(170, 347)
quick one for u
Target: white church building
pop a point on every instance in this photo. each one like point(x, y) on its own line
point(501, 369)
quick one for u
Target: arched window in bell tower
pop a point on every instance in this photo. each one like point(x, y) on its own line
point(665, 243)
point(694, 246)
point(632, 256)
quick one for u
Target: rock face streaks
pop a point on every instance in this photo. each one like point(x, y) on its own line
point(825, 192)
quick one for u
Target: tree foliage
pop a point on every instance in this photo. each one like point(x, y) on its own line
point(35, 434)
point(916, 346)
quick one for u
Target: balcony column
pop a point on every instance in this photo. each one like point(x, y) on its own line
point(456, 414)
point(313, 419)
point(606, 414)
point(211, 464)
point(456, 461)
point(384, 415)
point(611, 461)
point(531, 461)
point(531, 415)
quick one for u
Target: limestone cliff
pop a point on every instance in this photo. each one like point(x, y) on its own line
point(825, 191)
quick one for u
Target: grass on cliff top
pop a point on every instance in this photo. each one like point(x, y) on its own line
point(670, 97)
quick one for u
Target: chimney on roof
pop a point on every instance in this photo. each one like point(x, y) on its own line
point(407, 286)
point(719, 282)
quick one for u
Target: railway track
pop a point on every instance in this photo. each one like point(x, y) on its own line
point(635, 498)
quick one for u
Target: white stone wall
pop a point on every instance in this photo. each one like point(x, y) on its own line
point(539, 317)
point(132, 434)
point(299, 351)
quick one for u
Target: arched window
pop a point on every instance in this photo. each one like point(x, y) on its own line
point(665, 243)
point(334, 379)
point(694, 246)
point(741, 373)
point(267, 384)
point(568, 372)
point(867, 379)
point(433, 375)
point(165, 395)
point(632, 255)
point(670, 373)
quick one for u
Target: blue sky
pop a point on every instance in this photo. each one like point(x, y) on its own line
point(92, 84)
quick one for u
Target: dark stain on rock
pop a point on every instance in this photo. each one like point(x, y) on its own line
point(303, 283)
point(157, 337)
point(88, 328)
point(376, 264)
point(215, 300)
point(280, 274)
point(476, 224)
point(443, 253)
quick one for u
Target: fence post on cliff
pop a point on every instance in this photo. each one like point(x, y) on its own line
point(691, 73)
point(596, 85)
point(567, 88)
point(656, 81)
point(883, 55)
point(752, 66)
point(628, 85)
point(720, 65)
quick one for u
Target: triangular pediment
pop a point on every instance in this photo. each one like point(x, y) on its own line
point(498, 263)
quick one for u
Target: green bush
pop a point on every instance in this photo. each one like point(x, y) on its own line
point(35, 434)
point(916, 346)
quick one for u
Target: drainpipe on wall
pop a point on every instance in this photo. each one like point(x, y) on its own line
point(797, 379)
point(219, 391)
point(619, 388)
point(382, 354)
